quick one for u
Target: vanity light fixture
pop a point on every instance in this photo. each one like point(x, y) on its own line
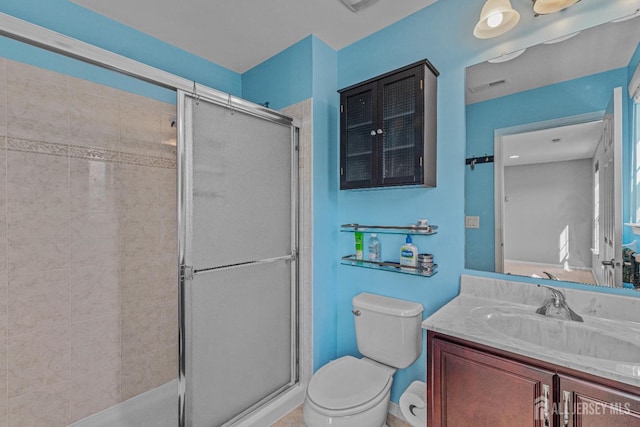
point(496, 18)
point(544, 7)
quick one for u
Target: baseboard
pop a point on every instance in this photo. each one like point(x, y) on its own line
point(275, 409)
point(394, 409)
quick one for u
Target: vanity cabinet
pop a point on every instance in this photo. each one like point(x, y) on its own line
point(470, 384)
point(585, 404)
point(388, 129)
point(471, 387)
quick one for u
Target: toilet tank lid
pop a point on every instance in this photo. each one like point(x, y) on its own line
point(387, 305)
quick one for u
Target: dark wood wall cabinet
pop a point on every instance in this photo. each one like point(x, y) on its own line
point(388, 129)
point(474, 385)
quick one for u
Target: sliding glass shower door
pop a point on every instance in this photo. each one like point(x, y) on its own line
point(238, 243)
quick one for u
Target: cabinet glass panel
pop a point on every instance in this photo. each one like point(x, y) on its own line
point(358, 131)
point(398, 145)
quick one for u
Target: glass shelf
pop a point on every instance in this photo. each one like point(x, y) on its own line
point(390, 229)
point(388, 266)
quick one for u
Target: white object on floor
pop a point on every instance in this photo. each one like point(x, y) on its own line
point(413, 404)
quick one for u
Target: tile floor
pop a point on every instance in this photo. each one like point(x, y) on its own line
point(296, 419)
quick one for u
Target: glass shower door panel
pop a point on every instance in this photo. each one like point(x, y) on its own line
point(231, 368)
point(239, 284)
point(242, 193)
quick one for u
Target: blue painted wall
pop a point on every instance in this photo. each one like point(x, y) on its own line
point(325, 181)
point(74, 21)
point(588, 94)
point(442, 33)
point(308, 69)
point(282, 80)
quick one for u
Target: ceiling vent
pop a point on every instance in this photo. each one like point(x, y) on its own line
point(486, 86)
point(356, 6)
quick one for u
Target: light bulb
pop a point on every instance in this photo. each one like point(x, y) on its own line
point(494, 20)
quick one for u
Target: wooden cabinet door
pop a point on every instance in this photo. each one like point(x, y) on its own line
point(594, 405)
point(388, 129)
point(358, 156)
point(400, 116)
point(473, 388)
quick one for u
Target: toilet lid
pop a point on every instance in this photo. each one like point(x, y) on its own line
point(347, 382)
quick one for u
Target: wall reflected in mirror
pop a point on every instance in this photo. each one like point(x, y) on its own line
point(552, 199)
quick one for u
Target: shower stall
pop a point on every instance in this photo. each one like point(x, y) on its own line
point(151, 261)
point(238, 259)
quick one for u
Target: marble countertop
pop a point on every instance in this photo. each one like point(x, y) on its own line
point(614, 317)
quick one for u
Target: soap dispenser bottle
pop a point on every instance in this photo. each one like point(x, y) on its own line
point(408, 255)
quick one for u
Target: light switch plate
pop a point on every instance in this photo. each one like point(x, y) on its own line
point(472, 221)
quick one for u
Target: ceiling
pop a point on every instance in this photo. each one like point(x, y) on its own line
point(598, 49)
point(239, 34)
point(572, 142)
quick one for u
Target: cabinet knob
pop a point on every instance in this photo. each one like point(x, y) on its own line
point(373, 133)
point(379, 131)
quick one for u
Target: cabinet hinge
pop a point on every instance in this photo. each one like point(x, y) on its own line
point(341, 171)
point(421, 84)
point(420, 161)
point(341, 108)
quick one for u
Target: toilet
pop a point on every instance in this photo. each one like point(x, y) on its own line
point(352, 392)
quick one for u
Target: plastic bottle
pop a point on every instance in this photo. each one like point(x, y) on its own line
point(374, 248)
point(359, 244)
point(408, 255)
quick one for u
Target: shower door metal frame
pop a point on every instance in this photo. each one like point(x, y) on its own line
point(185, 230)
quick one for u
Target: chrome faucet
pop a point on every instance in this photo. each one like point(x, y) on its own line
point(557, 306)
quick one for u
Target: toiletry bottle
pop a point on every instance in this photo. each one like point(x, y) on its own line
point(374, 248)
point(408, 255)
point(359, 244)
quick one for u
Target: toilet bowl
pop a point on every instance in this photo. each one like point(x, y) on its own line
point(352, 392)
point(349, 392)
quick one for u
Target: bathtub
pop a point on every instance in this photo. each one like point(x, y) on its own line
point(159, 408)
point(154, 408)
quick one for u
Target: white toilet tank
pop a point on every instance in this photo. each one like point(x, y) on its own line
point(388, 329)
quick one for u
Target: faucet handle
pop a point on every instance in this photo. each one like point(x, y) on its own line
point(556, 294)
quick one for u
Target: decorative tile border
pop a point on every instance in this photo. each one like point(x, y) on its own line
point(89, 153)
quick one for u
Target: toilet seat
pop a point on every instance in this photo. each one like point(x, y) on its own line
point(348, 385)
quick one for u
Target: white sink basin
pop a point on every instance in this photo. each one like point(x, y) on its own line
point(593, 339)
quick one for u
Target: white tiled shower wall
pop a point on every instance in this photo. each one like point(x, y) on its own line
point(88, 299)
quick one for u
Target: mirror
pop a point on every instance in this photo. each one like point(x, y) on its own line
point(544, 192)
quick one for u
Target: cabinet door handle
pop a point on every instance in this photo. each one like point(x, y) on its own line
point(373, 133)
point(566, 397)
point(545, 408)
point(379, 131)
